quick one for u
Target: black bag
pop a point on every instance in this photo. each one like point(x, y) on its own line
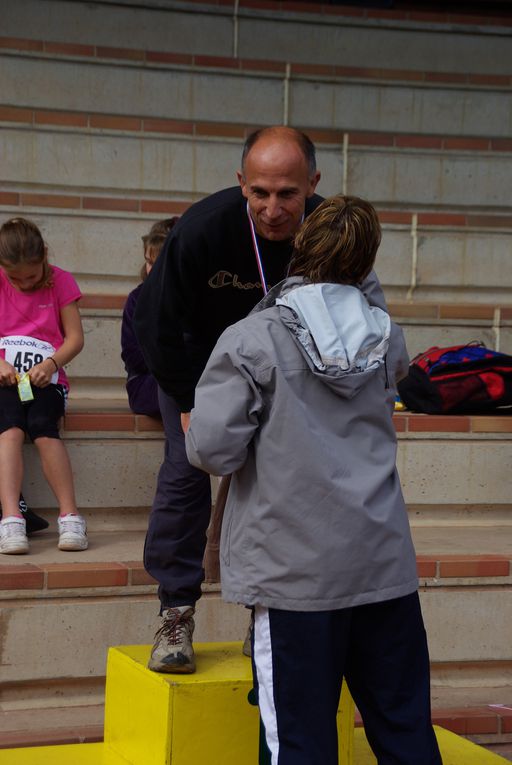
point(463, 379)
point(33, 522)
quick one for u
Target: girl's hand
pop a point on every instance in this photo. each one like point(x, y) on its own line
point(41, 374)
point(7, 374)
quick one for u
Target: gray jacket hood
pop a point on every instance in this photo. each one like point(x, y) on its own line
point(343, 339)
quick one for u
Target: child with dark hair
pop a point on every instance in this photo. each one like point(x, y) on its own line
point(40, 332)
point(296, 401)
point(141, 386)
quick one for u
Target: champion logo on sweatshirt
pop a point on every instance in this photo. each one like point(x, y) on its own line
point(227, 279)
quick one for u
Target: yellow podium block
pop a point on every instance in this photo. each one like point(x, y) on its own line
point(199, 719)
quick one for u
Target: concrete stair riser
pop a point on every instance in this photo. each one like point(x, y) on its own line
point(434, 49)
point(101, 351)
point(100, 358)
point(268, 34)
point(455, 470)
point(74, 650)
point(110, 471)
point(207, 94)
point(104, 252)
point(64, 646)
point(482, 515)
point(197, 166)
point(118, 469)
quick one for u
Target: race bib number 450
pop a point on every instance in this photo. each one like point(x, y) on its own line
point(25, 352)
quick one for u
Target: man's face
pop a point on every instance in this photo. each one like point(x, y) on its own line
point(276, 183)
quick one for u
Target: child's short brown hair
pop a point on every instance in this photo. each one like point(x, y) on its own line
point(154, 241)
point(338, 242)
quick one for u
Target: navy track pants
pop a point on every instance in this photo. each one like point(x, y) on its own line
point(300, 659)
point(176, 536)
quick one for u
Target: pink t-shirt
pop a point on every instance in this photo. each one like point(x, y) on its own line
point(28, 317)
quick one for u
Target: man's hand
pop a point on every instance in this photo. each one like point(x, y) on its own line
point(185, 421)
point(7, 374)
point(41, 374)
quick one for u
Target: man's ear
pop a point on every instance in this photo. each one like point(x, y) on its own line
point(313, 183)
point(242, 182)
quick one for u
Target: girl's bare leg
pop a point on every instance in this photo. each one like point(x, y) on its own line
point(57, 471)
point(11, 471)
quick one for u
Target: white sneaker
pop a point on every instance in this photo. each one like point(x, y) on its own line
point(13, 536)
point(72, 532)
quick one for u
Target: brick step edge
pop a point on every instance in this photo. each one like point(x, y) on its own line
point(49, 577)
point(499, 314)
point(405, 422)
point(76, 734)
point(277, 67)
point(471, 721)
point(477, 721)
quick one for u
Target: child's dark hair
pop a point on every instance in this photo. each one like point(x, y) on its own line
point(21, 243)
point(338, 242)
point(160, 227)
point(154, 241)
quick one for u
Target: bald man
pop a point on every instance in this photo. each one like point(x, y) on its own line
point(218, 262)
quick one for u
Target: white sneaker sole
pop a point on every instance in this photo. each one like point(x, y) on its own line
point(14, 548)
point(73, 545)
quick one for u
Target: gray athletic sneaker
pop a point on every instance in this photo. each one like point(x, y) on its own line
point(173, 651)
point(13, 536)
point(72, 532)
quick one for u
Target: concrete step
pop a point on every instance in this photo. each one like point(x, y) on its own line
point(61, 595)
point(75, 605)
point(99, 371)
point(303, 33)
point(42, 76)
point(474, 248)
point(124, 451)
point(449, 461)
point(79, 158)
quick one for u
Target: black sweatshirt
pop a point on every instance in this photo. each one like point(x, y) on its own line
point(205, 279)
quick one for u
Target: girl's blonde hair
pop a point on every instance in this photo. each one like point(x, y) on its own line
point(338, 242)
point(21, 243)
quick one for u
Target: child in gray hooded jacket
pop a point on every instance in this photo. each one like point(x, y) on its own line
point(297, 401)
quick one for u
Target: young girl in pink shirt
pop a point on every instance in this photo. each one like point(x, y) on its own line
point(40, 332)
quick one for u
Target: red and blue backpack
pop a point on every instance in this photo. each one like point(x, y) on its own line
point(463, 379)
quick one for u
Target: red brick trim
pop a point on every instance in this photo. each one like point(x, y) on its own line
point(432, 423)
point(102, 301)
point(263, 65)
point(399, 311)
point(137, 124)
point(405, 422)
point(74, 734)
point(469, 721)
point(23, 576)
point(77, 575)
point(451, 566)
point(177, 207)
point(462, 721)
